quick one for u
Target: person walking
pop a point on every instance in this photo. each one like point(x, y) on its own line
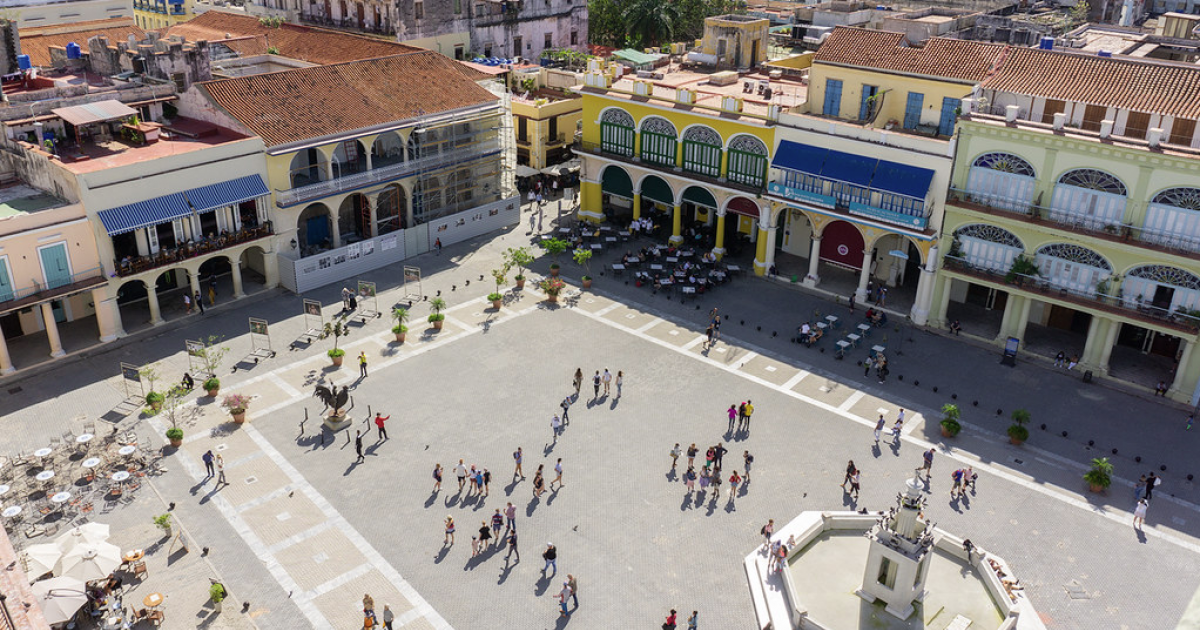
point(539, 482)
point(879, 427)
point(1139, 513)
point(691, 454)
point(566, 407)
point(767, 531)
point(460, 471)
point(550, 555)
point(674, 455)
point(485, 534)
point(449, 539)
point(689, 479)
point(692, 621)
point(497, 525)
point(379, 420)
point(927, 463)
point(369, 606)
point(187, 303)
point(578, 379)
point(733, 415)
point(854, 477)
point(362, 364)
point(558, 470)
point(749, 459)
point(437, 478)
point(389, 617)
point(1151, 481)
point(719, 453)
point(708, 333)
point(358, 447)
point(220, 470)
point(620, 379)
point(199, 302)
point(717, 327)
point(849, 471)
point(867, 365)
point(518, 457)
point(896, 429)
point(512, 546)
point(345, 299)
point(209, 471)
point(563, 596)
point(670, 622)
point(596, 385)
point(556, 426)
point(510, 517)
point(486, 475)
point(573, 583)
point(437, 246)
point(741, 414)
point(734, 480)
point(749, 412)
point(1139, 488)
point(607, 380)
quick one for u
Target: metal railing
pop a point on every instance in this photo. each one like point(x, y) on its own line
point(301, 194)
point(39, 287)
point(597, 149)
point(184, 252)
point(1103, 301)
point(6, 620)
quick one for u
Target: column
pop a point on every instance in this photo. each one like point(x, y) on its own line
point(372, 212)
point(335, 230)
point(1093, 338)
point(328, 168)
point(1110, 339)
point(108, 316)
point(814, 262)
point(152, 301)
point(765, 255)
point(235, 272)
point(1011, 306)
point(677, 224)
point(6, 366)
point(1022, 318)
point(271, 270)
point(369, 166)
point(56, 349)
point(1181, 370)
point(719, 250)
point(864, 276)
point(943, 305)
point(920, 308)
point(193, 282)
point(637, 206)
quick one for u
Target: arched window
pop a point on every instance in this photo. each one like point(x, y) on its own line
point(747, 161)
point(1173, 219)
point(1162, 287)
point(702, 151)
point(659, 140)
point(1002, 180)
point(988, 246)
point(1072, 267)
point(616, 132)
point(1090, 199)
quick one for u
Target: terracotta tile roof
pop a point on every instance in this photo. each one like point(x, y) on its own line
point(1124, 83)
point(940, 57)
point(306, 103)
point(36, 42)
point(306, 43)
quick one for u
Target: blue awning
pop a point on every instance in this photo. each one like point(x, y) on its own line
point(849, 168)
point(902, 179)
point(143, 213)
point(228, 193)
point(799, 157)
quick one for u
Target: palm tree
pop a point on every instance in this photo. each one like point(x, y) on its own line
point(651, 22)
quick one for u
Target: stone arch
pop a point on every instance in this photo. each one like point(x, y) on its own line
point(354, 217)
point(253, 264)
point(615, 180)
point(658, 124)
point(656, 189)
point(388, 149)
point(745, 206)
point(1094, 179)
point(1005, 163)
point(314, 226)
point(1173, 218)
point(991, 234)
point(307, 167)
point(349, 157)
point(1089, 198)
point(700, 132)
point(698, 195)
point(1072, 267)
point(843, 244)
point(131, 291)
point(749, 143)
point(1002, 180)
point(391, 210)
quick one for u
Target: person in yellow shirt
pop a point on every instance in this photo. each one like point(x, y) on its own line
point(749, 412)
point(362, 364)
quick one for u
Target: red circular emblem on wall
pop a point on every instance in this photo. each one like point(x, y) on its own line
point(842, 250)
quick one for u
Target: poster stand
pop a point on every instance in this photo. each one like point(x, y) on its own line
point(131, 373)
point(314, 321)
point(412, 283)
point(260, 340)
point(1009, 357)
point(368, 301)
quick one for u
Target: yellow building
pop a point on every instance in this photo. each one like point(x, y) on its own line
point(545, 121)
point(157, 14)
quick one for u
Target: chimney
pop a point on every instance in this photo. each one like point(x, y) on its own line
point(1060, 121)
point(1106, 127)
point(1154, 137)
point(1010, 113)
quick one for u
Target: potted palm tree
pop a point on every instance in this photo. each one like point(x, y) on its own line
point(236, 405)
point(1099, 477)
point(582, 258)
point(400, 330)
point(555, 247)
point(336, 329)
point(1017, 433)
point(552, 287)
point(501, 277)
point(437, 318)
point(519, 257)
point(950, 424)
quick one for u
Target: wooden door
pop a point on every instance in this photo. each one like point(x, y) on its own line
point(362, 15)
point(1182, 131)
point(1052, 107)
point(1092, 116)
point(1136, 125)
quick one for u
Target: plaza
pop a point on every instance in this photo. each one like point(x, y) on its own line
point(302, 532)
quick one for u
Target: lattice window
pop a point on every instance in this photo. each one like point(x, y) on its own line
point(1092, 179)
point(1076, 254)
point(991, 234)
point(1163, 274)
point(659, 126)
point(1184, 198)
point(617, 117)
point(1005, 163)
point(748, 144)
point(703, 135)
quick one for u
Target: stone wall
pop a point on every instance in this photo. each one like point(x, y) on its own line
point(164, 59)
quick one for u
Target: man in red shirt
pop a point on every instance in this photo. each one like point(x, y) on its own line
point(379, 420)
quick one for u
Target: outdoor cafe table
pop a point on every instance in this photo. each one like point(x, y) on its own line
point(11, 511)
point(45, 475)
point(153, 600)
point(126, 451)
point(865, 328)
point(84, 438)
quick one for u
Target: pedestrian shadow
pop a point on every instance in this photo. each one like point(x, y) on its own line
point(452, 500)
point(712, 503)
point(350, 468)
point(687, 502)
point(1141, 536)
point(876, 451)
point(543, 583)
point(480, 502)
point(728, 435)
point(671, 475)
point(549, 448)
point(613, 404)
point(533, 503)
point(848, 500)
point(507, 570)
point(956, 505)
point(445, 551)
point(432, 499)
point(895, 446)
point(512, 485)
point(730, 506)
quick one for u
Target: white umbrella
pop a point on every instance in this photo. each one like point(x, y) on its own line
point(41, 559)
point(90, 561)
point(525, 171)
point(86, 533)
point(59, 598)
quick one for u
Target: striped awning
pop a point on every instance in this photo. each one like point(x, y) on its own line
point(208, 198)
point(143, 213)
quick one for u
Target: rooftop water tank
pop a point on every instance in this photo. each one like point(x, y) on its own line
point(1104, 53)
point(1047, 43)
point(73, 51)
point(23, 62)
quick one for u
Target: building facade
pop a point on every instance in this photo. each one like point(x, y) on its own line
point(159, 14)
point(38, 13)
point(545, 120)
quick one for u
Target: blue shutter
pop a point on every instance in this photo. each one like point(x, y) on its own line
point(833, 97)
point(6, 289)
point(54, 263)
point(949, 106)
point(912, 110)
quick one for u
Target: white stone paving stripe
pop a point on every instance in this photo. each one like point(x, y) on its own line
point(792, 382)
point(344, 578)
point(854, 398)
point(695, 342)
point(608, 309)
point(744, 359)
point(264, 498)
point(275, 378)
point(652, 324)
point(301, 537)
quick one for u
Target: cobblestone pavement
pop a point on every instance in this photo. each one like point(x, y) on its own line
point(323, 531)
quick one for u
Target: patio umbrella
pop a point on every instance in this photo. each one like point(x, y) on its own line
point(90, 561)
point(41, 559)
point(525, 171)
point(60, 598)
point(86, 533)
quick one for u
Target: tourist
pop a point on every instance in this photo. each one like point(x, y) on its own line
point(358, 447)
point(556, 426)
point(497, 524)
point(578, 379)
point(674, 455)
point(733, 414)
point(607, 379)
point(691, 454)
point(558, 470)
point(449, 539)
point(485, 534)
point(563, 595)
point(620, 379)
point(550, 555)
point(927, 463)
point(510, 517)
point(199, 302)
point(854, 477)
point(1139, 513)
point(571, 582)
point(749, 460)
point(749, 413)
point(220, 470)
point(437, 478)
point(670, 622)
point(379, 420)
point(460, 471)
point(362, 365)
point(734, 480)
point(539, 483)
point(596, 385)
point(689, 479)
point(849, 471)
point(518, 457)
point(879, 427)
point(486, 477)
point(512, 545)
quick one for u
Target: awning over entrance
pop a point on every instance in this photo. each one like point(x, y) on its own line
point(804, 158)
point(656, 189)
point(902, 179)
point(207, 198)
point(881, 175)
point(616, 182)
point(700, 197)
point(99, 111)
point(143, 213)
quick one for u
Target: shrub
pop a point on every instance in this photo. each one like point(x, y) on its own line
point(154, 397)
point(174, 433)
point(212, 383)
point(1101, 473)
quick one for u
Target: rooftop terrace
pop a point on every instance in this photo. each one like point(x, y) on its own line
point(786, 92)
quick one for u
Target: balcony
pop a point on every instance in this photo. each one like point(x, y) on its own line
point(349, 24)
point(885, 215)
point(318, 190)
point(1171, 243)
point(39, 292)
point(132, 266)
point(1114, 304)
point(595, 149)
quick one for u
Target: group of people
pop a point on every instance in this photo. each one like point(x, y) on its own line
point(710, 473)
point(1062, 360)
point(606, 380)
point(1143, 491)
point(808, 334)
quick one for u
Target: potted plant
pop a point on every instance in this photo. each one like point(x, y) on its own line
point(236, 405)
point(552, 287)
point(175, 435)
point(210, 355)
point(1017, 433)
point(163, 521)
point(950, 425)
point(1099, 478)
point(217, 594)
point(437, 318)
point(500, 276)
point(519, 257)
point(155, 400)
point(336, 329)
point(582, 258)
point(400, 330)
point(212, 386)
point(555, 247)
point(1021, 267)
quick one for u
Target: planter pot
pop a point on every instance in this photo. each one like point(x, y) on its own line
point(338, 422)
point(554, 271)
point(400, 337)
point(166, 531)
point(438, 324)
point(496, 304)
point(239, 417)
point(156, 406)
point(587, 284)
point(176, 442)
point(521, 283)
point(216, 606)
point(1013, 440)
point(946, 433)
point(337, 361)
point(551, 298)
point(212, 393)
point(1094, 488)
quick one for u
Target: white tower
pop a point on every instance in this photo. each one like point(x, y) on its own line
point(898, 562)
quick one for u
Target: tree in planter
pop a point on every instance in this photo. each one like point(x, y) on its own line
point(552, 287)
point(1100, 476)
point(149, 373)
point(583, 258)
point(436, 317)
point(555, 247)
point(400, 315)
point(950, 416)
point(163, 522)
point(236, 405)
point(1017, 433)
point(500, 276)
point(210, 357)
point(519, 257)
point(337, 329)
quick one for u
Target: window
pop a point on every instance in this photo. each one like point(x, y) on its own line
point(912, 110)
point(457, 7)
point(658, 141)
point(1088, 198)
point(1092, 116)
point(56, 269)
point(833, 97)
point(553, 135)
point(1001, 180)
point(865, 108)
point(522, 129)
point(616, 132)
point(747, 161)
point(1182, 131)
point(517, 41)
point(950, 109)
point(1051, 108)
point(549, 43)
point(702, 151)
point(458, 52)
point(574, 37)
point(487, 50)
point(419, 10)
point(6, 288)
point(180, 80)
point(1137, 124)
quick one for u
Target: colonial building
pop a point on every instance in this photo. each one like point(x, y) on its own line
point(42, 13)
point(545, 120)
point(158, 14)
point(1075, 212)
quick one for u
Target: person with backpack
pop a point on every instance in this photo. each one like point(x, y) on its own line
point(957, 487)
point(749, 459)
